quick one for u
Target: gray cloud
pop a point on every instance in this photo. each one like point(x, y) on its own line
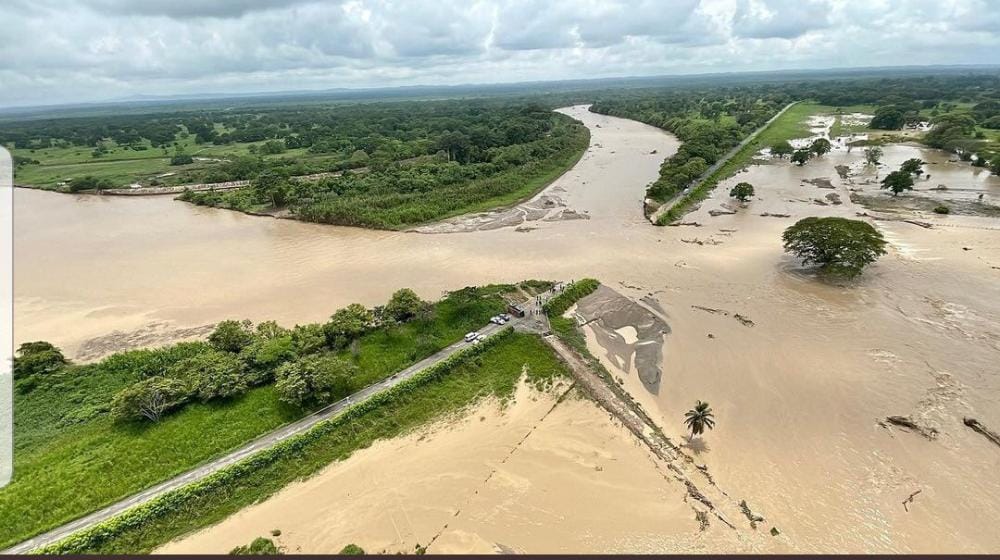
point(84, 50)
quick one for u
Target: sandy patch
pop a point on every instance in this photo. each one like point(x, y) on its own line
point(533, 476)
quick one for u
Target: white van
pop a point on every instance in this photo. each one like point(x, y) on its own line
point(471, 336)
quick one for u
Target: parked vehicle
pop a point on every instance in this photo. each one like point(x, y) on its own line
point(469, 337)
point(505, 316)
point(496, 320)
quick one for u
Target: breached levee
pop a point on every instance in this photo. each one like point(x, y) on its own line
point(630, 333)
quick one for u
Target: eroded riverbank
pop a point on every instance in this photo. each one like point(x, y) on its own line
point(799, 391)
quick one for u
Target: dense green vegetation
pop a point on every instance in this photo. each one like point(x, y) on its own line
point(260, 546)
point(84, 439)
point(469, 172)
point(490, 369)
point(415, 161)
point(840, 246)
point(566, 327)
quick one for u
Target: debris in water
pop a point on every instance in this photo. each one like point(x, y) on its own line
point(909, 500)
point(907, 423)
point(714, 213)
point(774, 215)
point(745, 321)
point(753, 517)
point(978, 427)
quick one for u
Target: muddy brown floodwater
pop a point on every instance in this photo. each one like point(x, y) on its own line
point(801, 373)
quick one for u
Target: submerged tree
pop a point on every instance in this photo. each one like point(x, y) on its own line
point(839, 245)
point(782, 149)
point(699, 418)
point(801, 156)
point(820, 146)
point(897, 182)
point(873, 155)
point(742, 192)
point(912, 166)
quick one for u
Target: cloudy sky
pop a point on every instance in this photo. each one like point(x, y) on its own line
point(57, 51)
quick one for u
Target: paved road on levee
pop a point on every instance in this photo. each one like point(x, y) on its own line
point(718, 163)
point(300, 426)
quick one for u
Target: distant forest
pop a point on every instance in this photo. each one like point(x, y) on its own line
point(392, 164)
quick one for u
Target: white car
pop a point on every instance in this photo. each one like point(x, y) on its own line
point(471, 336)
point(496, 320)
point(479, 339)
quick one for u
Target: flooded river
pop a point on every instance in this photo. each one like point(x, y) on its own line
point(800, 390)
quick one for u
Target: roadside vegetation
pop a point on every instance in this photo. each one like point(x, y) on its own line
point(88, 435)
point(491, 369)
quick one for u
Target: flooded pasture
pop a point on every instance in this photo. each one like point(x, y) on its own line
point(801, 373)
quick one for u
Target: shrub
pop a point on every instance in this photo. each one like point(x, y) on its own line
point(308, 339)
point(558, 305)
point(263, 355)
point(314, 379)
point(149, 399)
point(259, 547)
point(942, 209)
point(404, 305)
point(231, 336)
point(146, 362)
point(839, 245)
point(347, 324)
point(352, 550)
point(37, 358)
point(181, 159)
point(212, 375)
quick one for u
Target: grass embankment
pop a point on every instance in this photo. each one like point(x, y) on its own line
point(71, 458)
point(790, 125)
point(492, 369)
point(565, 327)
point(122, 165)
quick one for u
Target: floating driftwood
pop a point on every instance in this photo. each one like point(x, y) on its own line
point(908, 423)
point(978, 427)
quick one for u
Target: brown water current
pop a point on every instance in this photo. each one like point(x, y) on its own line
point(801, 382)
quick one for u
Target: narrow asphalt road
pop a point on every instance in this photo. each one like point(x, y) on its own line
point(529, 323)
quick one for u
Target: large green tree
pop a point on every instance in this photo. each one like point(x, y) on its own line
point(897, 182)
point(839, 245)
point(742, 192)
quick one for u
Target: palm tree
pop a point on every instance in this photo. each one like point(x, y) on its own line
point(699, 418)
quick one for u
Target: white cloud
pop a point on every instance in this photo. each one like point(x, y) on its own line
point(84, 50)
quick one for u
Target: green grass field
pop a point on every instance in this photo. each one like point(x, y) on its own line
point(71, 459)
point(124, 166)
point(494, 372)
